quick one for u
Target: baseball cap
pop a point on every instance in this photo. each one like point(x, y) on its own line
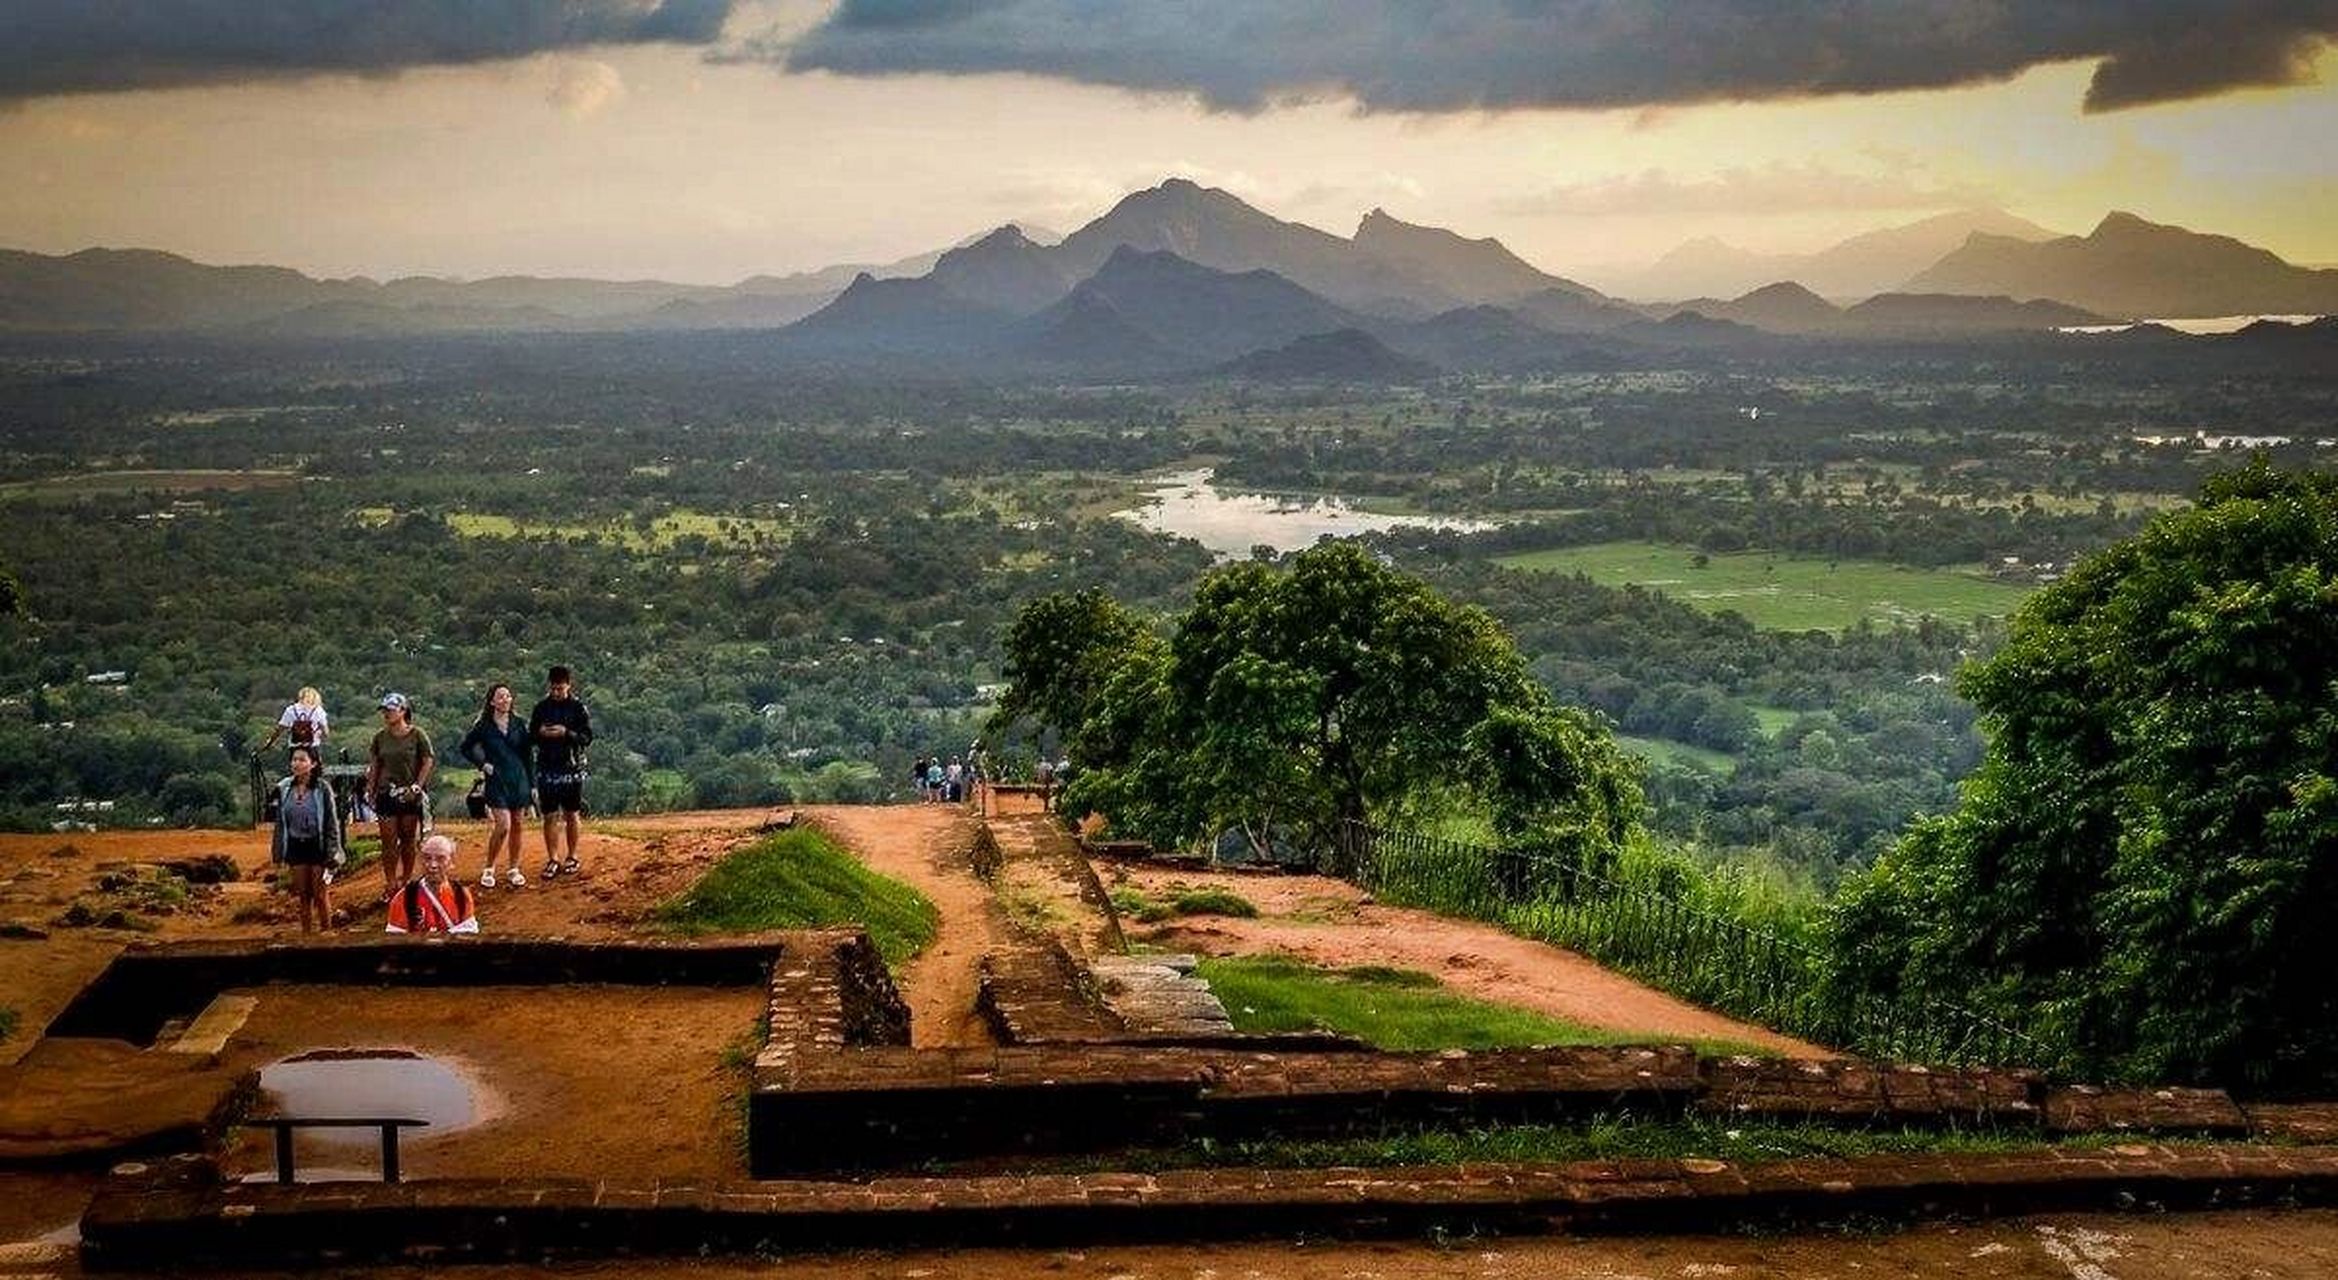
point(396, 700)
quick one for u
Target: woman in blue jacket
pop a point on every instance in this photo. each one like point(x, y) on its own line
point(498, 743)
point(307, 838)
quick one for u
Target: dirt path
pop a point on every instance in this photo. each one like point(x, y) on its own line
point(1327, 922)
point(2252, 1244)
point(925, 845)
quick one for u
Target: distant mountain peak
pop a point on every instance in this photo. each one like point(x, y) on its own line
point(1784, 291)
point(1009, 236)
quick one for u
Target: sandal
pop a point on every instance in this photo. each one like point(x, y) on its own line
point(487, 878)
point(550, 870)
point(515, 879)
point(570, 866)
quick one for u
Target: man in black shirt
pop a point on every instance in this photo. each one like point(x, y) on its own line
point(561, 728)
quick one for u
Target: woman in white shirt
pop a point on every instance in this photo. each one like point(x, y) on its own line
point(304, 718)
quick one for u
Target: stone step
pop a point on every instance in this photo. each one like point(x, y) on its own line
point(208, 1034)
point(1158, 996)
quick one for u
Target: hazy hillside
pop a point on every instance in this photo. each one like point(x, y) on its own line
point(2133, 268)
point(1865, 264)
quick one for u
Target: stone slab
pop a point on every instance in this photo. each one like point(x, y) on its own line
point(207, 1036)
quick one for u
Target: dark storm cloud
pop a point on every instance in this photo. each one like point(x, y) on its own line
point(1423, 55)
point(94, 46)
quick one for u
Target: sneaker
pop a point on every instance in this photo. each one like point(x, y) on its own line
point(487, 878)
point(551, 869)
point(570, 867)
point(515, 879)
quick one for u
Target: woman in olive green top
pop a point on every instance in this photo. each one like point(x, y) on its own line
point(397, 776)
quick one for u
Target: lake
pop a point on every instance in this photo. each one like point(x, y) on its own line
point(2197, 325)
point(1190, 504)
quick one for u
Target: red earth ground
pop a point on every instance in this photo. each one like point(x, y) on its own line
point(580, 1081)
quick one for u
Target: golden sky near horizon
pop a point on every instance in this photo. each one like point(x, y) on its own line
point(651, 160)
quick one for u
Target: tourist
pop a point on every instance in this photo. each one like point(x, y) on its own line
point(561, 728)
point(305, 721)
point(917, 777)
point(1045, 777)
point(434, 901)
point(954, 782)
point(933, 781)
point(307, 838)
point(399, 763)
point(499, 744)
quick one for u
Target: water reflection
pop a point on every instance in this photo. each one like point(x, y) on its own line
point(1190, 504)
point(345, 1084)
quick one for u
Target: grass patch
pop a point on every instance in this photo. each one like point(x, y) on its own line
point(799, 880)
point(661, 533)
point(1133, 904)
point(1667, 751)
point(1389, 1008)
point(1602, 1137)
point(1783, 592)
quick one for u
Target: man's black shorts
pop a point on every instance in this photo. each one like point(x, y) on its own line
point(560, 797)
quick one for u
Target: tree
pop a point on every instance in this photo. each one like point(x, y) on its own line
point(1303, 699)
point(2145, 866)
point(1059, 652)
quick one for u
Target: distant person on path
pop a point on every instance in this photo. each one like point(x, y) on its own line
point(561, 728)
point(305, 721)
point(434, 902)
point(1045, 777)
point(917, 777)
point(397, 775)
point(954, 782)
point(499, 744)
point(933, 781)
point(307, 838)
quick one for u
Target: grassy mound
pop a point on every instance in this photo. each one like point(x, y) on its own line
point(800, 880)
point(1133, 904)
point(1390, 1008)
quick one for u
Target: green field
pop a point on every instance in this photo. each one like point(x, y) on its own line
point(661, 533)
point(1782, 592)
point(1666, 751)
point(85, 483)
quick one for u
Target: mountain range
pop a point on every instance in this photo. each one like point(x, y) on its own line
point(1875, 262)
point(1182, 278)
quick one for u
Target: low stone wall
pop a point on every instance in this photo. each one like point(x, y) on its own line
point(878, 1109)
point(830, 993)
point(1040, 993)
point(149, 985)
point(180, 1224)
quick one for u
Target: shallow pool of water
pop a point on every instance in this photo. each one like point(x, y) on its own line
point(1190, 504)
point(348, 1084)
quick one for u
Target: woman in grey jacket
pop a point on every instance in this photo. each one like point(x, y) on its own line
point(307, 839)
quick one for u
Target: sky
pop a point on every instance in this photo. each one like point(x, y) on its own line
point(709, 140)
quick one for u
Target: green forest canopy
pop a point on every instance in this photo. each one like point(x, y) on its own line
point(2144, 868)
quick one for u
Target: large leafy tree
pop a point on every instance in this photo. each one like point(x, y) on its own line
point(2145, 867)
point(1301, 699)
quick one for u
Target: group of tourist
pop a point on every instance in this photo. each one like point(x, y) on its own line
point(534, 763)
point(954, 782)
